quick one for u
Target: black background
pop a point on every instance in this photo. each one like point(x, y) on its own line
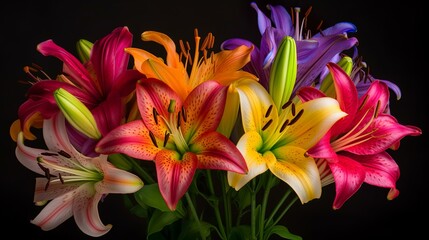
point(390, 41)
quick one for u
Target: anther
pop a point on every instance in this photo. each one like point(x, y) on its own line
point(306, 154)
point(295, 119)
point(155, 115)
point(293, 109)
point(152, 137)
point(363, 102)
point(178, 120)
point(267, 124)
point(184, 114)
point(284, 125)
point(166, 136)
point(287, 104)
point(64, 154)
point(377, 108)
point(61, 178)
point(47, 185)
point(270, 108)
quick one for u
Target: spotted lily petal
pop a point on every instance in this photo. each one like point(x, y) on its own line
point(298, 171)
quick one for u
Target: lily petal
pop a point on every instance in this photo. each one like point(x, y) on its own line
point(85, 211)
point(56, 212)
point(298, 171)
point(117, 181)
point(132, 138)
point(215, 151)
point(349, 176)
point(175, 175)
point(249, 144)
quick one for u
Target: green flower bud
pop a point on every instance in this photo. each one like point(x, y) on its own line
point(327, 86)
point(283, 72)
point(76, 113)
point(84, 49)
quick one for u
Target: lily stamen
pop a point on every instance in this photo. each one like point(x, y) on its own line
point(267, 125)
point(269, 111)
point(295, 119)
point(152, 138)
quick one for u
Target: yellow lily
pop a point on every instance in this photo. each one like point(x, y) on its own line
point(278, 132)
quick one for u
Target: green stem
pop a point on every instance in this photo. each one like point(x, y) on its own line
point(264, 206)
point(253, 211)
point(226, 202)
point(285, 210)
point(279, 204)
point(216, 205)
point(141, 172)
point(194, 213)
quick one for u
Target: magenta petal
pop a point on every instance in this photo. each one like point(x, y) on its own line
point(109, 57)
point(381, 170)
point(72, 66)
point(385, 131)
point(349, 176)
point(174, 174)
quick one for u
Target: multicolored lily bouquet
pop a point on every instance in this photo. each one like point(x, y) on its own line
point(198, 140)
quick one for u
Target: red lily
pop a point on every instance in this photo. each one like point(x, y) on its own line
point(102, 84)
point(355, 148)
point(179, 136)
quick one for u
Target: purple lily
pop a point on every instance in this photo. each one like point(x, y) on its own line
point(313, 52)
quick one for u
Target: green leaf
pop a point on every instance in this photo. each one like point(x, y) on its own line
point(191, 230)
point(281, 231)
point(241, 232)
point(161, 219)
point(120, 161)
point(151, 196)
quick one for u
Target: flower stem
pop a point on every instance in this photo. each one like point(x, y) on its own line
point(141, 172)
point(194, 213)
point(280, 203)
point(253, 211)
point(264, 205)
point(226, 202)
point(286, 209)
point(216, 205)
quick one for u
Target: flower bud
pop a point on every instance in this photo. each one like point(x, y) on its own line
point(76, 113)
point(283, 72)
point(327, 85)
point(84, 50)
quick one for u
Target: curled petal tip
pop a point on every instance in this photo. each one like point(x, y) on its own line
point(393, 193)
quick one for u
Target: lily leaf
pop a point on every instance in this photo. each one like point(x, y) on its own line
point(161, 219)
point(191, 230)
point(241, 232)
point(283, 232)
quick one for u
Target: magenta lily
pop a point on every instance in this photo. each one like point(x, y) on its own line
point(102, 84)
point(180, 137)
point(73, 184)
point(355, 147)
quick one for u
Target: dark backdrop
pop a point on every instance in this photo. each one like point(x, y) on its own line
point(390, 41)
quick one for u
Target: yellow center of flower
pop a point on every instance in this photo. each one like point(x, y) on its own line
point(287, 110)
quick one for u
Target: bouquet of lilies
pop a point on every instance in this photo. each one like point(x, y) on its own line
point(196, 141)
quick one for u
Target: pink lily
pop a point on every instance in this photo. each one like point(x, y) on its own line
point(355, 148)
point(73, 183)
point(102, 84)
point(179, 136)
